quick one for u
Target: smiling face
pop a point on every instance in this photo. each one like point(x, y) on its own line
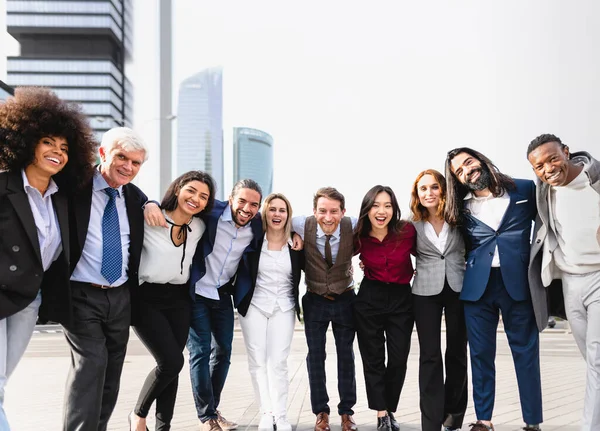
point(192, 198)
point(119, 167)
point(329, 214)
point(277, 215)
point(429, 192)
point(51, 154)
point(470, 172)
point(381, 212)
point(244, 206)
point(551, 164)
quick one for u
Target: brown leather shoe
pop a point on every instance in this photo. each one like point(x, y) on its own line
point(322, 423)
point(348, 423)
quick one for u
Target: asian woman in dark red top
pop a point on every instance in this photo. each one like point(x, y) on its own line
point(383, 308)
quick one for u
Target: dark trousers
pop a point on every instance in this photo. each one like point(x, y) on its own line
point(163, 324)
point(441, 403)
point(318, 313)
point(98, 338)
point(481, 318)
point(384, 317)
point(209, 343)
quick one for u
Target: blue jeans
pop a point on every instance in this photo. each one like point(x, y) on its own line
point(209, 344)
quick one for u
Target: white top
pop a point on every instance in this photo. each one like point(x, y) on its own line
point(438, 241)
point(222, 262)
point(161, 260)
point(46, 221)
point(274, 285)
point(89, 265)
point(489, 210)
point(575, 216)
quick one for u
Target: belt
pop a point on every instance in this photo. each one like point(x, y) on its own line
point(102, 286)
point(332, 296)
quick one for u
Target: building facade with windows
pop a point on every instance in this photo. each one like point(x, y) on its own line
point(200, 125)
point(253, 157)
point(5, 91)
point(79, 49)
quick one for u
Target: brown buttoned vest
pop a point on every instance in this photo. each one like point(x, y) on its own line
point(321, 279)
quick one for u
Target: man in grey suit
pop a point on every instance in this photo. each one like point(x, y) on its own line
point(566, 246)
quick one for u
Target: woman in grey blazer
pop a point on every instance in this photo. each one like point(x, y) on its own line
point(440, 266)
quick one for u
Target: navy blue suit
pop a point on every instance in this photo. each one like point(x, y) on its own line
point(487, 290)
point(211, 331)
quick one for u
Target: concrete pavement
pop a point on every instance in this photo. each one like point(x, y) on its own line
point(35, 392)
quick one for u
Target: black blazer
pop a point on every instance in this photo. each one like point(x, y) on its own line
point(297, 258)
point(21, 271)
point(80, 204)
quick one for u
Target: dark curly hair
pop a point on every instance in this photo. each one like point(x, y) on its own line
point(35, 112)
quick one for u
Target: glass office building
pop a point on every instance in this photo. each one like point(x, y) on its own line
point(200, 125)
point(253, 157)
point(79, 50)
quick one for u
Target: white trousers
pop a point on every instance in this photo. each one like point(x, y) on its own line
point(268, 339)
point(582, 304)
point(15, 333)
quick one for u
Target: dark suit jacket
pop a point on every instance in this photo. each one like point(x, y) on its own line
point(243, 283)
point(513, 241)
point(297, 258)
point(21, 270)
point(80, 205)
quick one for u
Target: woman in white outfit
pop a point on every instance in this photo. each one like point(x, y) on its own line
point(268, 312)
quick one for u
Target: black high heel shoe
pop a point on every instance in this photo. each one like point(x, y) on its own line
point(129, 421)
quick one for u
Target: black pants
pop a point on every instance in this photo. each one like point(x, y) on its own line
point(384, 317)
point(441, 403)
point(318, 312)
point(162, 325)
point(98, 338)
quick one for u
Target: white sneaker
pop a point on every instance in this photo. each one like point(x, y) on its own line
point(266, 422)
point(282, 424)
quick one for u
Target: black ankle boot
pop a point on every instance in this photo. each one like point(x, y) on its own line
point(393, 422)
point(383, 423)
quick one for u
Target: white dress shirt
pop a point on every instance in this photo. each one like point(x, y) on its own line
point(89, 265)
point(223, 261)
point(274, 285)
point(489, 210)
point(439, 241)
point(46, 221)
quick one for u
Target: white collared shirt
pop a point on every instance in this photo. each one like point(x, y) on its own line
point(89, 265)
point(46, 221)
point(438, 241)
point(222, 263)
point(489, 210)
point(274, 285)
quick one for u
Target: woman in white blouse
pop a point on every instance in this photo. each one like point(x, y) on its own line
point(267, 314)
point(161, 310)
point(440, 266)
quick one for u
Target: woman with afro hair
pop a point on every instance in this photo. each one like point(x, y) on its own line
point(46, 148)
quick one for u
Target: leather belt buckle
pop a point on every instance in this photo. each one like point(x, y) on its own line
point(101, 286)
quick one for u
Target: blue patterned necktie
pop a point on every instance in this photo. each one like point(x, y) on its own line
point(112, 254)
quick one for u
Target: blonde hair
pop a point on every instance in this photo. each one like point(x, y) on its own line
point(265, 208)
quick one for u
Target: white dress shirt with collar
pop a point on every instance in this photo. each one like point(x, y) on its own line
point(89, 265)
point(222, 263)
point(489, 210)
point(438, 241)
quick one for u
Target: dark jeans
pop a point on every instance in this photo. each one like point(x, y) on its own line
point(209, 343)
point(441, 403)
point(318, 313)
point(98, 338)
point(165, 313)
point(384, 317)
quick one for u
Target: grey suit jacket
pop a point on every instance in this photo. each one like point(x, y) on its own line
point(433, 267)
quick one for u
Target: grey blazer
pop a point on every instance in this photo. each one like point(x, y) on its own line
point(434, 267)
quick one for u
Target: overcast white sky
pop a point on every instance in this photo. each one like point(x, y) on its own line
point(356, 93)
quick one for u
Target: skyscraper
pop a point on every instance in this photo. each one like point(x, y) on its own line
point(77, 48)
point(200, 125)
point(253, 157)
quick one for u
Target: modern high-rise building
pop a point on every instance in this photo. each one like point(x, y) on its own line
point(200, 125)
point(253, 157)
point(79, 50)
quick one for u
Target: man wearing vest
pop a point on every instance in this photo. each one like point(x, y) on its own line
point(328, 250)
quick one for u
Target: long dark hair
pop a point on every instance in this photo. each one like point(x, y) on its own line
point(169, 201)
point(456, 191)
point(363, 225)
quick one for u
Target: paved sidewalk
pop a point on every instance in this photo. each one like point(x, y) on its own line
point(35, 392)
